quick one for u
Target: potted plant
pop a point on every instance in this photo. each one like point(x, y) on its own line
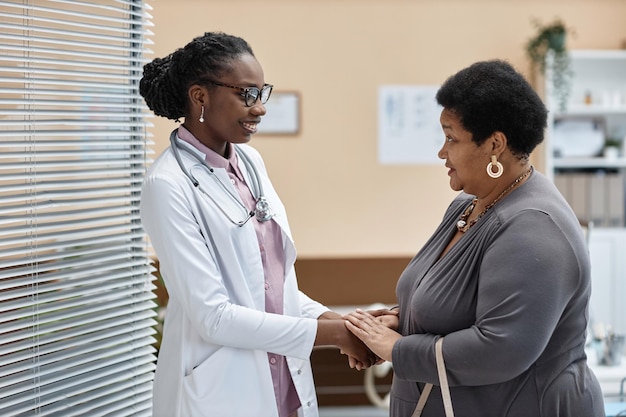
point(551, 39)
point(612, 147)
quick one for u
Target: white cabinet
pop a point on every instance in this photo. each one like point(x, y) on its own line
point(607, 249)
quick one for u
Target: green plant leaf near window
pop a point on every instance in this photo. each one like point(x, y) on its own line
point(550, 42)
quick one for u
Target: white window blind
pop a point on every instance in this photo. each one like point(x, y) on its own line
point(76, 302)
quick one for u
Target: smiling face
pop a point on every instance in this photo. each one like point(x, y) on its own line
point(226, 116)
point(466, 161)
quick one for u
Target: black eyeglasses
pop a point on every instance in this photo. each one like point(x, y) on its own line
point(250, 94)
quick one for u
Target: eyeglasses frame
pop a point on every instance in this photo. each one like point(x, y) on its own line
point(246, 90)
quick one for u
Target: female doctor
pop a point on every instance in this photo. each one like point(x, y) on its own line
point(238, 333)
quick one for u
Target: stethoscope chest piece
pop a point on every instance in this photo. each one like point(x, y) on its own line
point(263, 212)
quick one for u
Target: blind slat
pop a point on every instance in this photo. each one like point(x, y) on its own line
point(61, 399)
point(102, 76)
point(71, 11)
point(54, 386)
point(72, 309)
point(69, 103)
point(82, 213)
point(46, 342)
point(54, 359)
point(23, 267)
point(80, 272)
point(58, 204)
point(16, 60)
point(82, 133)
point(121, 37)
point(32, 50)
point(87, 319)
point(42, 144)
point(36, 82)
point(35, 94)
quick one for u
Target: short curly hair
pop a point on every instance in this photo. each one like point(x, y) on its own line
point(165, 81)
point(491, 96)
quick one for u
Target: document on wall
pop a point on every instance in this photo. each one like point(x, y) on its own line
point(409, 131)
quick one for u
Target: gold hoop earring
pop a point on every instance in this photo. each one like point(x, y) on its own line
point(494, 164)
point(201, 119)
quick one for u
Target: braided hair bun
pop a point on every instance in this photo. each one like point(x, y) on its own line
point(166, 80)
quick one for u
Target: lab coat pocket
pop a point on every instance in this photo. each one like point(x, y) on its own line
point(202, 385)
point(231, 382)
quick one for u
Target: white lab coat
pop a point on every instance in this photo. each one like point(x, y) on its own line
point(213, 357)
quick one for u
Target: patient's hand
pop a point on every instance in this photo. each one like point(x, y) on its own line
point(376, 335)
point(387, 317)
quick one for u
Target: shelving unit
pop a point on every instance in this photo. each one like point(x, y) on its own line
point(594, 184)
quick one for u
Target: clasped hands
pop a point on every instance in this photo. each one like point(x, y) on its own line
point(374, 334)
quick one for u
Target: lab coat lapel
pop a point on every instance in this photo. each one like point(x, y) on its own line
point(218, 187)
point(280, 218)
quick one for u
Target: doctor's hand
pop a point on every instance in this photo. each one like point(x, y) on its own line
point(373, 332)
point(359, 355)
point(332, 331)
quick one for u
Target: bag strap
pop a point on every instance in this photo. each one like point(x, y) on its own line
point(422, 400)
point(443, 381)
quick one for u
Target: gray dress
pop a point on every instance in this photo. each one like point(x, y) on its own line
point(511, 298)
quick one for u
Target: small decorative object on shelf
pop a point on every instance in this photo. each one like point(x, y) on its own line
point(612, 148)
point(551, 40)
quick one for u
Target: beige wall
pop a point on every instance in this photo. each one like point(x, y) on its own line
point(336, 53)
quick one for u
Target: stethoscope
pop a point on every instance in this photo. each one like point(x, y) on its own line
point(262, 210)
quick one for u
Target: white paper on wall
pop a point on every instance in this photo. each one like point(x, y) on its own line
point(409, 131)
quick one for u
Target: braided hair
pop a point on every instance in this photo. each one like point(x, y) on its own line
point(165, 81)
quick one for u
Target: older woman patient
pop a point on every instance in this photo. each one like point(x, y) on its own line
point(504, 279)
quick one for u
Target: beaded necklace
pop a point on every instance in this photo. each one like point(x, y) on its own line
point(463, 226)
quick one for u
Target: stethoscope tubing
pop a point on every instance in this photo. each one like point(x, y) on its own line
point(256, 186)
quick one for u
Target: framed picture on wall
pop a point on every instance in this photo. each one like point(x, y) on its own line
point(283, 114)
